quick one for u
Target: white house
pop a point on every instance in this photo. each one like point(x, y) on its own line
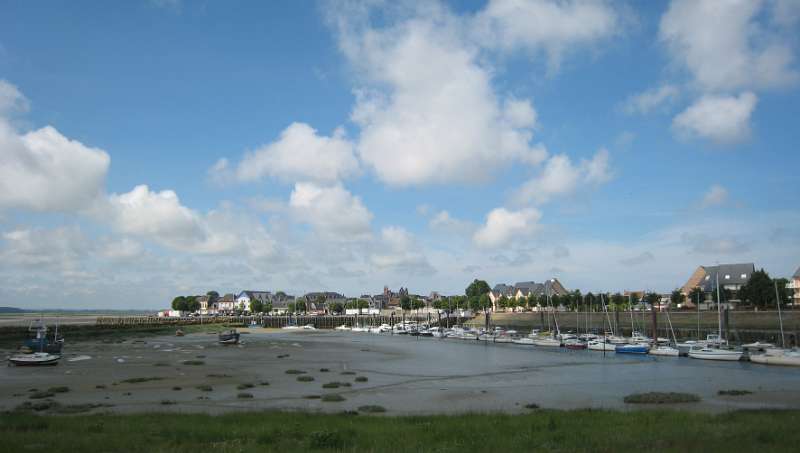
point(245, 297)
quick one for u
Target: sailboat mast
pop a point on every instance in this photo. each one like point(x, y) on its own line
point(719, 309)
point(780, 317)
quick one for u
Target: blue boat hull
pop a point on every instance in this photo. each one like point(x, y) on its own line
point(632, 350)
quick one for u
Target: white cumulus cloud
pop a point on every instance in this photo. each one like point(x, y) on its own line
point(722, 119)
point(561, 177)
point(725, 46)
point(551, 27)
point(299, 154)
point(426, 107)
point(503, 226)
point(331, 210)
point(44, 171)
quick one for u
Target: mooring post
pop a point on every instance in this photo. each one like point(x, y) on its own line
point(655, 323)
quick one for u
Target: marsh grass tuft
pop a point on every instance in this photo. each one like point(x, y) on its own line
point(193, 362)
point(661, 398)
point(244, 386)
point(372, 409)
point(305, 378)
point(332, 398)
point(244, 396)
point(205, 388)
point(139, 380)
point(293, 371)
point(60, 389)
point(734, 392)
point(361, 379)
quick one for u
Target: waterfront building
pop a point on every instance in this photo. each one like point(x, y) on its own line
point(794, 286)
point(731, 278)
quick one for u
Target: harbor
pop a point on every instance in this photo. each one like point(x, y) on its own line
point(404, 374)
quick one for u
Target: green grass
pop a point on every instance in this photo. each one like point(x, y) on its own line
point(305, 378)
point(661, 398)
point(544, 430)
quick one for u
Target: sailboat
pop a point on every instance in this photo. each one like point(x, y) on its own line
point(778, 356)
point(716, 353)
point(665, 349)
point(553, 340)
point(607, 342)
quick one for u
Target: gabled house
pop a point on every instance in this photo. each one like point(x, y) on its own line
point(226, 303)
point(208, 305)
point(731, 277)
point(522, 290)
point(245, 297)
point(311, 300)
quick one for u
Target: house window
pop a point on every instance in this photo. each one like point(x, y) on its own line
point(727, 277)
point(708, 277)
point(744, 276)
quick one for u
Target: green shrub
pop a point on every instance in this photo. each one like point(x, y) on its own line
point(661, 398)
point(372, 409)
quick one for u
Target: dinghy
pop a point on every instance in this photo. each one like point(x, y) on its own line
point(35, 359)
point(229, 337)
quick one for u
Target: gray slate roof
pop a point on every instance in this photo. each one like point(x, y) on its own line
point(738, 274)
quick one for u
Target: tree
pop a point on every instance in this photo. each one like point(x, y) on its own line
point(256, 306)
point(477, 288)
point(192, 304)
point(759, 290)
point(502, 302)
point(179, 303)
point(652, 299)
point(405, 302)
point(300, 305)
point(416, 304)
point(267, 307)
point(676, 297)
point(337, 308)
point(319, 302)
point(291, 307)
point(617, 300)
point(696, 295)
point(212, 295)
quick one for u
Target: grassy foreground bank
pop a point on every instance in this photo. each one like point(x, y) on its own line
point(582, 430)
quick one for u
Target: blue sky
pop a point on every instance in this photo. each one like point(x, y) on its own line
point(156, 148)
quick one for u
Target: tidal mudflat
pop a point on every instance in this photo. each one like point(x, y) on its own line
point(404, 375)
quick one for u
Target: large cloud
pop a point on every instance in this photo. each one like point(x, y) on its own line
point(299, 154)
point(724, 120)
point(504, 226)
point(44, 171)
point(426, 107)
point(724, 45)
point(561, 177)
point(552, 27)
point(331, 210)
point(160, 217)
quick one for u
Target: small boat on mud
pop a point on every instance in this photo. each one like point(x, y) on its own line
point(39, 341)
point(179, 333)
point(229, 337)
point(35, 359)
point(776, 356)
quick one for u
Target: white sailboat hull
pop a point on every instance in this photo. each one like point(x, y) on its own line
point(600, 346)
point(715, 354)
point(665, 351)
point(547, 342)
point(783, 358)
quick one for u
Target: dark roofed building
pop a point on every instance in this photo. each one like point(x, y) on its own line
point(731, 278)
